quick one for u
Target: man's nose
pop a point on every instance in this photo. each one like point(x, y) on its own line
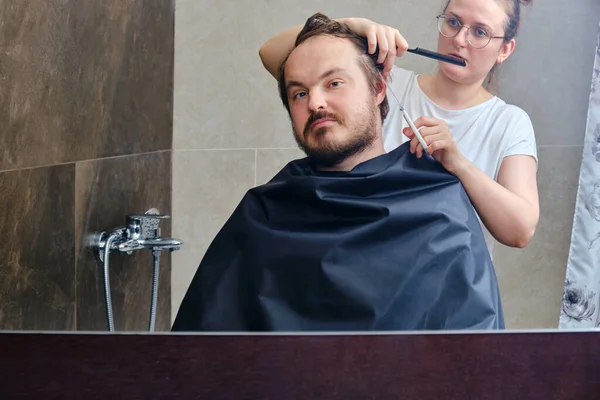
point(316, 100)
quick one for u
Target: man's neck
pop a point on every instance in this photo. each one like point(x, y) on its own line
point(451, 95)
point(374, 150)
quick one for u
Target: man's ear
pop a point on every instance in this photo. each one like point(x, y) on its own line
point(381, 89)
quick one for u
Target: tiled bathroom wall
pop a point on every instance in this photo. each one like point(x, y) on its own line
point(231, 131)
point(86, 132)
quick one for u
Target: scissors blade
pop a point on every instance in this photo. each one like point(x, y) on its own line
point(409, 121)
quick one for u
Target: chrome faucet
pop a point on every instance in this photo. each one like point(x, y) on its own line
point(140, 232)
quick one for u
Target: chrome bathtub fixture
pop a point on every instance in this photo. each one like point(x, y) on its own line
point(141, 232)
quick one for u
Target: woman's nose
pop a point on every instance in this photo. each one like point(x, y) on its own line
point(461, 38)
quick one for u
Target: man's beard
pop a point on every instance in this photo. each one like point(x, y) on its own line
point(329, 152)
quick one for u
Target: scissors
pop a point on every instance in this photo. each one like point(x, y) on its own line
point(409, 121)
point(436, 56)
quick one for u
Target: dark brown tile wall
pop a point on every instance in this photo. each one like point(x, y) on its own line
point(37, 248)
point(107, 191)
point(84, 79)
point(86, 93)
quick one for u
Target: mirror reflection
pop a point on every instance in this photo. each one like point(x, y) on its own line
point(291, 166)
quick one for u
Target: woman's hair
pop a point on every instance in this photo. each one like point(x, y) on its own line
point(511, 28)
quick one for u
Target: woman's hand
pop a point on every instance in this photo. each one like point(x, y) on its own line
point(440, 143)
point(509, 207)
point(391, 44)
point(389, 40)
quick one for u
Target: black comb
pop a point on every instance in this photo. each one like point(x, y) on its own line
point(438, 56)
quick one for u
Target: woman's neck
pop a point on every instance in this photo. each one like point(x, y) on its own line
point(451, 95)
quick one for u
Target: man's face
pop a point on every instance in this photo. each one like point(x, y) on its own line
point(334, 112)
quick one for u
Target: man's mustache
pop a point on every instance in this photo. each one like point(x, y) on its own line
point(317, 116)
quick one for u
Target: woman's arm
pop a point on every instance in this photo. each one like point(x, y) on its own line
point(508, 208)
point(391, 44)
point(274, 51)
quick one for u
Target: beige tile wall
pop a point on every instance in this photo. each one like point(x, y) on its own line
point(231, 131)
point(531, 279)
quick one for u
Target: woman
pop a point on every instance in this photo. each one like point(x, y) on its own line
point(488, 144)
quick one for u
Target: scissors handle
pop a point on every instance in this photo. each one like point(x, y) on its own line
point(415, 130)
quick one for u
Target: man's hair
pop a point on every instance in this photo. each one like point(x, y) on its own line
point(321, 25)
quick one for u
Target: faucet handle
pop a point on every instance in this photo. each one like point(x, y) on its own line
point(142, 217)
point(145, 225)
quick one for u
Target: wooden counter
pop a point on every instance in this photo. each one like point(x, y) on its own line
point(511, 365)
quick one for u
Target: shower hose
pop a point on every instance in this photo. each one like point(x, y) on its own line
point(107, 293)
point(107, 244)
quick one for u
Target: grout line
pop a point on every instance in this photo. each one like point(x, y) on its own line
point(295, 148)
point(240, 148)
point(559, 145)
point(86, 160)
point(255, 165)
point(215, 149)
point(76, 289)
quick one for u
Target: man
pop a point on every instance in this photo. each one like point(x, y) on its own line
point(350, 237)
point(338, 125)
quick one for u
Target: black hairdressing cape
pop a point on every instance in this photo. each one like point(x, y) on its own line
point(395, 244)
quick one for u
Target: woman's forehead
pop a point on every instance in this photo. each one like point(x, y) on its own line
point(485, 12)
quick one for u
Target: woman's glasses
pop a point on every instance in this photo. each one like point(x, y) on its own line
point(478, 36)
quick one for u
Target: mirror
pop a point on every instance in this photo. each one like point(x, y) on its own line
point(110, 109)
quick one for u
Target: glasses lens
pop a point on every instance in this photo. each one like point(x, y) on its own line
point(448, 26)
point(479, 37)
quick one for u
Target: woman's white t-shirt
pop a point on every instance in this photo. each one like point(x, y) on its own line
point(484, 134)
